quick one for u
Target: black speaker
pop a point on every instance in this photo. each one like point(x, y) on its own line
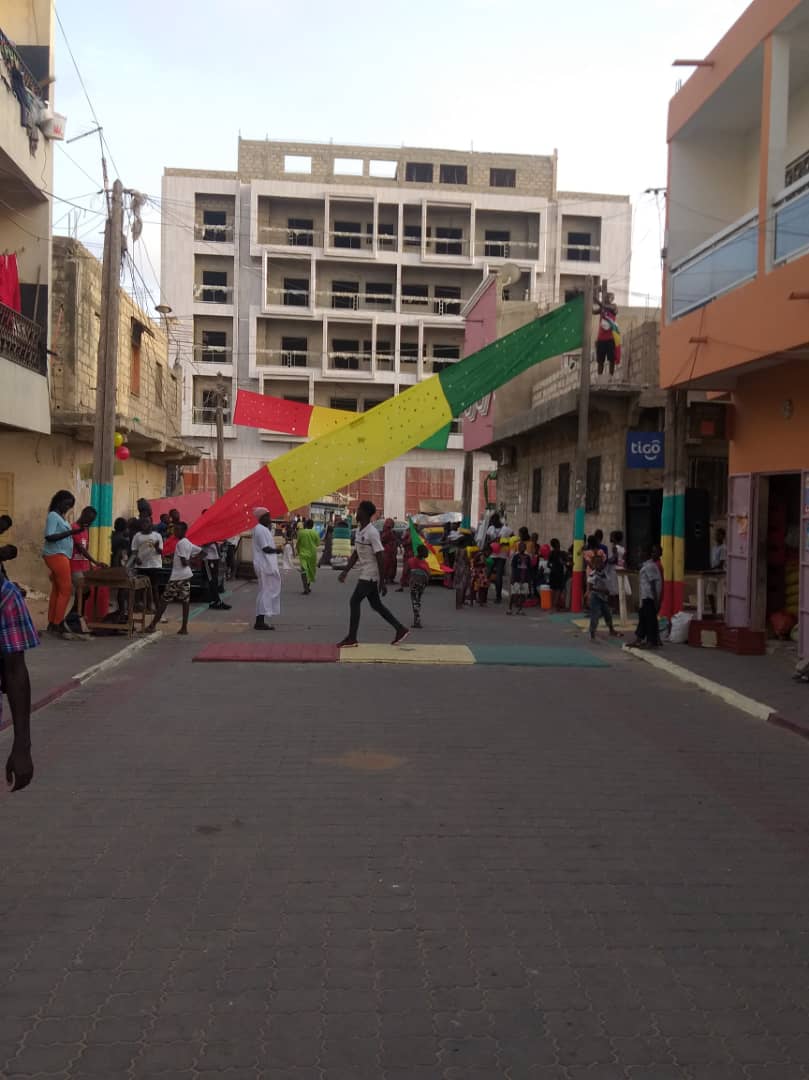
point(697, 530)
point(643, 509)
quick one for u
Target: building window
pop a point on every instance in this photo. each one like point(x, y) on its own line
point(592, 494)
point(345, 354)
point(444, 356)
point(158, 385)
point(297, 163)
point(210, 401)
point(502, 177)
point(536, 491)
point(443, 234)
point(384, 170)
point(215, 277)
point(346, 166)
point(384, 355)
point(572, 294)
point(419, 172)
point(301, 232)
point(452, 174)
point(412, 235)
point(134, 358)
point(497, 241)
point(347, 404)
point(447, 299)
point(386, 235)
point(796, 170)
point(214, 225)
point(345, 294)
point(296, 292)
point(379, 294)
point(578, 246)
point(214, 346)
point(711, 474)
point(415, 294)
point(563, 489)
point(297, 399)
point(347, 234)
point(409, 352)
point(294, 351)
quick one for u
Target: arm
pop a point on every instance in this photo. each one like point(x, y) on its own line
point(62, 535)
point(352, 562)
point(379, 564)
point(80, 549)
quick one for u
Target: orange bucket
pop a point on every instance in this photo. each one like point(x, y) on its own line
point(545, 597)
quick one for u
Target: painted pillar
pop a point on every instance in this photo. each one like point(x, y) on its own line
point(577, 583)
point(101, 530)
point(672, 521)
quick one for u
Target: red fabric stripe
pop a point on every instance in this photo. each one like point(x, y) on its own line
point(233, 513)
point(260, 411)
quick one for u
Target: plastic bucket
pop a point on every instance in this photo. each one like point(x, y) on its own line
point(545, 597)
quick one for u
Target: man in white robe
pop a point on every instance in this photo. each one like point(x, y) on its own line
point(265, 564)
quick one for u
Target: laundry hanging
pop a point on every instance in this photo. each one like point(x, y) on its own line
point(10, 283)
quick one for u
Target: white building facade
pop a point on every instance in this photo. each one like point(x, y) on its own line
point(338, 276)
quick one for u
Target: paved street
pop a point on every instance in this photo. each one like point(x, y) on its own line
point(340, 872)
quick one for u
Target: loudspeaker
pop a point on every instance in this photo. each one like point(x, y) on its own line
point(697, 530)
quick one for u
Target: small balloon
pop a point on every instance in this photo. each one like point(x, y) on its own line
point(122, 453)
point(119, 439)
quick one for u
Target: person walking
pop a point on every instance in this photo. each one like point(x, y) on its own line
point(419, 580)
point(390, 551)
point(371, 585)
point(179, 583)
point(308, 541)
point(17, 634)
point(211, 558)
point(647, 634)
point(599, 596)
point(497, 534)
point(328, 540)
point(147, 556)
point(265, 564)
point(57, 552)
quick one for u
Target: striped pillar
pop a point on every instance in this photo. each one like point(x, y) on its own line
point(678, 554)
point(101, 531)
point(667, 543)
point(577, 589)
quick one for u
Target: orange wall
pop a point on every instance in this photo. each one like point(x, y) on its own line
point(755, 24)
point(745, 324)
point(763, 440)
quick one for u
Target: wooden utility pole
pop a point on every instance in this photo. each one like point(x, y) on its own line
point(221, 399)
point(577, 592)
point(107, 377)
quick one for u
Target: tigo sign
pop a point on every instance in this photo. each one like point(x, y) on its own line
point(644, 449)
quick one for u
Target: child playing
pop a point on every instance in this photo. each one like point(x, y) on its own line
point(599, 590)
point(419, 578)
point(522, 572)
point(179, 584)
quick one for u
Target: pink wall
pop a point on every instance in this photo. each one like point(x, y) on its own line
point(480, 330)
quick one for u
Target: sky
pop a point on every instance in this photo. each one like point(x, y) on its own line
point(174, 83)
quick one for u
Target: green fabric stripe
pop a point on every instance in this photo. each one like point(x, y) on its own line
point(558, 332)
point(437, 441)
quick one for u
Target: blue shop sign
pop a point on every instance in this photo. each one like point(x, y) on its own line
point(645, 449)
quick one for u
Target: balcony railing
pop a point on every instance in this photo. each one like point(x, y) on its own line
point(288, 297)
point(349, 361)
point(213, 294)
point(22, 341)
point(283, 236)
point(288, 358)
point(215, 234)
point(507, 249)
point(352, 301)
point(792, 221)
point(585, 253)
point(206, 414)
point(213, 354)
point(448, 247)
point(12, 59)
point(724, 262)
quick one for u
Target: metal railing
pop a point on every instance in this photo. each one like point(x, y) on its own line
point(22, 341)
point(213, 294)
point(206, 414)
point(507, 249)
point(213, 354)
point(215, 234)
point(724, 262)
point(288, 358)
point(792, 221)
point(349, 361)
point(288, 297)
point(285, 237)
point(11, 58)
point(448, 247)
point(352, 301)
point(581, 253)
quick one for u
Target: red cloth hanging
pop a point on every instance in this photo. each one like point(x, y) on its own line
point(10, 283)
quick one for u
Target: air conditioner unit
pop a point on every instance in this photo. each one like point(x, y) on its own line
point(504, 455)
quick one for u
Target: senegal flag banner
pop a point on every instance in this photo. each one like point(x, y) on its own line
point(342, 454)
point(433, 559)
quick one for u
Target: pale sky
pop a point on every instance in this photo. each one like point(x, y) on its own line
point(174, 83)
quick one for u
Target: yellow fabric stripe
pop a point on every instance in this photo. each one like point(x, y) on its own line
point(343, 455)
point(323, 420)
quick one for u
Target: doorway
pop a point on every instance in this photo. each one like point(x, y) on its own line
point(779, 547)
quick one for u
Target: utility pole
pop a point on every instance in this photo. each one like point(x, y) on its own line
point(221, 399)
point(107, 378)
point(577, 592)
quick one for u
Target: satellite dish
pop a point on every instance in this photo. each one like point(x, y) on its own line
point(508, 274)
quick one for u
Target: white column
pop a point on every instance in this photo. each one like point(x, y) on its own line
point(775, 120)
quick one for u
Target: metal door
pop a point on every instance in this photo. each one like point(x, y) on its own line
point(740, 525)
point(803, 608)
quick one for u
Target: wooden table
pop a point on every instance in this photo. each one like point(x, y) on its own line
point(118, 578)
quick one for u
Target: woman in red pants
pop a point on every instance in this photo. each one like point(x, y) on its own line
point(57, 552)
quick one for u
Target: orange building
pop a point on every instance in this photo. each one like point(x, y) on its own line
point(737, 291)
